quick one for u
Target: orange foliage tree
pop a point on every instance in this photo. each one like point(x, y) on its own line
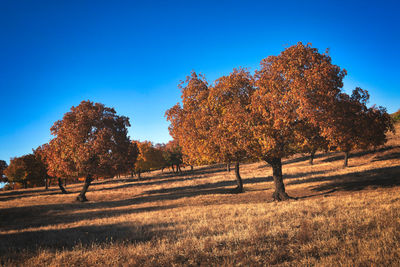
point(150, 158)
point(27, 170)
point(311, 140)
point(43, 152)
point(294, 89)
point(212, 124)
point(353, 125)
point(90, 141)
point(230, 118)
point(189, 121)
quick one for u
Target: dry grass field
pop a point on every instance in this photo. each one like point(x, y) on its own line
point(342, 217)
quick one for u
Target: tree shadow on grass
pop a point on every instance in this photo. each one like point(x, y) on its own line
point(160, 179)
point(299, 158)
point(356, 154)
point(355, 181)
point(33, 193)
point(148, 182)
point(18, 218)
point(55, 239)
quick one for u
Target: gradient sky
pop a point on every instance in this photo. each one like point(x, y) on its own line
point(131, 55)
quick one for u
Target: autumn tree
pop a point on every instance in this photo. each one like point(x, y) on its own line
point(188, 123)
point(131, 158)
point(42, 153)
point(230, 119)
point(90, 141)
point(311, 140)
point(15, 172)
point(212, 124)
point(355, 126)
point(293, 89)
point(27, 170)
point(149, 158)
point(172, 153)
point(3, 166)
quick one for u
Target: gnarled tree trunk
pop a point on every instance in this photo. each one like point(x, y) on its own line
point(239, 188)
point(82, 195)
point(346, 158)
point(280, 193)
point(178, 169)
point(312, 154)
point(60, 184)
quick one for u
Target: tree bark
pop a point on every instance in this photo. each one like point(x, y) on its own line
point(61, 186)
point(239, 188)
point(228, 166)
point(82, 195)
point(346, 158)
point(312, 154)
point(46, 181)
point(280, 193)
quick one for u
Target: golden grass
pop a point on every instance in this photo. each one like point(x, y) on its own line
point(343, 217)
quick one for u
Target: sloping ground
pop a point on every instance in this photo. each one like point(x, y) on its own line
point(342, 217)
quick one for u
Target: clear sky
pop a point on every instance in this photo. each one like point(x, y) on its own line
point(131, 55)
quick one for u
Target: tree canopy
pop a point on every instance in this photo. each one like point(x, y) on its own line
point(212, 124)
point(27, 170)
point(150, 158)
point(90, 141)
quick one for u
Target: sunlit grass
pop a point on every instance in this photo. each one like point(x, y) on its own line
point(343, 217)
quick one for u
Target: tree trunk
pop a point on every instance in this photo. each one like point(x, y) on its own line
point(82, 195)
point(280, 193)
point(239, 188)
point(46, 181)
point(61, 186)
point(138, 175)
point(172, 166)
point(312, 154)
point(228, 166)
point(191, 167)
point(346, 158)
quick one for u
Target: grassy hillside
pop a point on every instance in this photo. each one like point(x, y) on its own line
point(342, 217)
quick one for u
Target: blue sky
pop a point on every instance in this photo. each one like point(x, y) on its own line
point(131, 55)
